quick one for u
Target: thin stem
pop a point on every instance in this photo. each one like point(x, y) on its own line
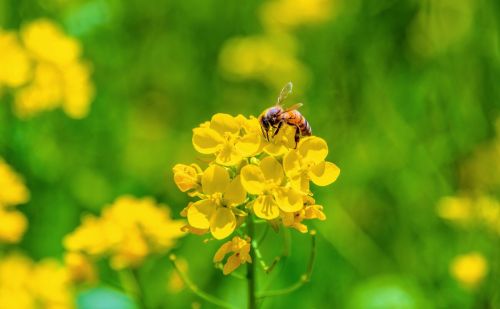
point(196, 290)
point(130, 284)
point(306, 277)
point(252, 303)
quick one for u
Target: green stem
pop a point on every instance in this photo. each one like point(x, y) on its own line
point(196, 290)
point(306, 277)
point(252, 301)
point(130, 283)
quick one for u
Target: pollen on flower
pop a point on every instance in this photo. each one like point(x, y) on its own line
point(128, 231)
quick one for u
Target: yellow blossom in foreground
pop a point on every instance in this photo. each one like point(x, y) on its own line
point(307, 162)
point(241, 254)
point(469, 269)
point(266, 181)
point(25, 284)
point(215, 211)
point(128, 230)
point(187, 177)
point(14, 61)
point(13, 191)
point(294, 219)
point(225, 138)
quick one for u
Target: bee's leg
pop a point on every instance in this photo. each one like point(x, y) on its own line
point(278, 129)
point(264, 125)
point(297, 136)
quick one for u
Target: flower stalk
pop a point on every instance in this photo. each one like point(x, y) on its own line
point(251, 278)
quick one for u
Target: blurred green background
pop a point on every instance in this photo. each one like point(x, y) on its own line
point(406, 94)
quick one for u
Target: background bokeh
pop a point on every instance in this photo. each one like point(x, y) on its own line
point(405, 93)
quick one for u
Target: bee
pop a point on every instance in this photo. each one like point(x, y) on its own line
point(274, 117)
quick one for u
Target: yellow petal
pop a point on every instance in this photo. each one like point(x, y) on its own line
point(215, 179)
point(324, 173)
point(314, 212)
point(235, 193)
point(249, 144)
point(313, 149)
point(223, 223)
point(206, 140)
point(228, 155)
point(252, 179)
point(223, 250)
point(224, 123)
point(289, 200)
point(272, 170)
point(275, 149)
point(291, 163)
point(265, 207)
point(185, 177)
point(232, 263)
point(200, 213)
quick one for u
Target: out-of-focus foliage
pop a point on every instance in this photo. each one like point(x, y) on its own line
point(405, 93)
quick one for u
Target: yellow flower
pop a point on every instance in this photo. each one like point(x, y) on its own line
point(455, 209)
point(25, 284)
point(294, 219)
point(13, 190)
point(47, 42)
point(281, 143)
point(266, 181)
point(241, 254)
point(307, 162)
point(469, 269)
point(12, 226)
point(129, 230)
point(14, 61)
point(264, 58)
point(187, 177)
point(216, 209)
point(225, 138)
point(284, 14)
point(80, 268)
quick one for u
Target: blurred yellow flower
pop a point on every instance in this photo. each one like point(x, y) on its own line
point(14, 62)
point(286, 14)
point(48, 68)
point(128, 230)
point(469, 269)
point(175, 284)
point(241, 254)
point(269, 59)
point(25, 284)
point(13, 191)
point(13, 224)
point(307, 162)
point(266, 181)
point(215, 210)
point(80, 268)
point(225, 138)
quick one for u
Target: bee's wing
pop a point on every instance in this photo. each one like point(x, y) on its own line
point(293, 107)
point(284, 93)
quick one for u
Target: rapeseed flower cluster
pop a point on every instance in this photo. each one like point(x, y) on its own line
point(127, 232)
point(44, 67)
point(269, 56)
point(12, 193)
point(250, 176)
point(469, 269)
point(27, 284)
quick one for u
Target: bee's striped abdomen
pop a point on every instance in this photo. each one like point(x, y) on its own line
point(295, 118)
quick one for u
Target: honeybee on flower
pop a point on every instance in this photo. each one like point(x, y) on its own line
point(258, 169)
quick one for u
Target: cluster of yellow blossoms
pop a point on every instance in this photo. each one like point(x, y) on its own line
point(25, 284)
point(127, 231)
point(43, 65)
point(269, 56)
point(250, 175)
point(12, 192)
point(469, 269)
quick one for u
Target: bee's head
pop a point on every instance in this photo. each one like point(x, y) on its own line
point(273, 114)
